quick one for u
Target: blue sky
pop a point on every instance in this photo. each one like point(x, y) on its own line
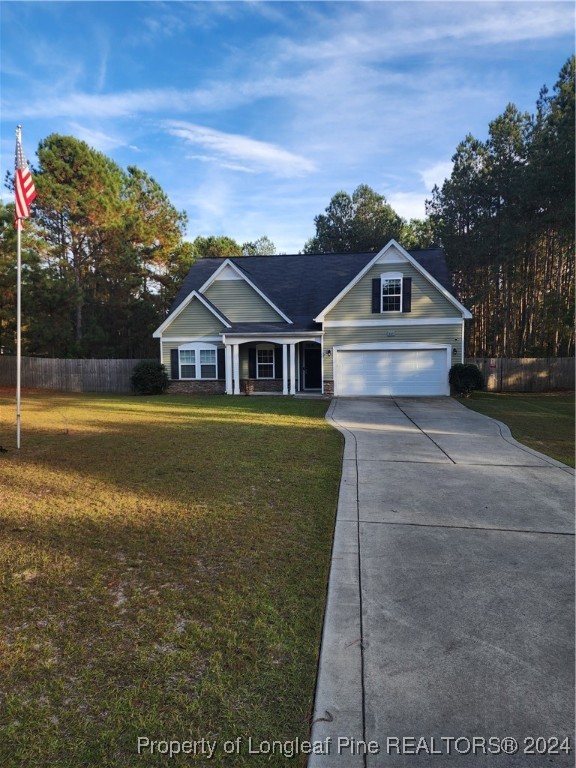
point(251, 115)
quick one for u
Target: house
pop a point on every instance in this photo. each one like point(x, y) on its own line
point(343, 324)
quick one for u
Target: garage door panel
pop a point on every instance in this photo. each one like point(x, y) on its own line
point(392, 372)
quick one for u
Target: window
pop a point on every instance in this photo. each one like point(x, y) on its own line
point(391, 292)
point(207, 363)
point(265, 363)
point(187, 364)
point(198, 362)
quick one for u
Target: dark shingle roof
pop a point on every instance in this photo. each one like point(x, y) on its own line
point(303, 285)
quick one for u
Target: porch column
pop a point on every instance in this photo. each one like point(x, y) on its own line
point(293, 369)
point(228, 361)
point(236, 368)
point(284, 369)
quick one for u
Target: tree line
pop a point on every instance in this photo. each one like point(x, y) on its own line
point(103, 256)
point(104, 252)
point(506, 220)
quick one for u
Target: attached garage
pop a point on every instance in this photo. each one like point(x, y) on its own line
point(391, 369)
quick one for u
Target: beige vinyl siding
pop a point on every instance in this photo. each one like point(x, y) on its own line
point(194, 321)
point(433, 334)
point(240, 302)
point(427, 301)
point(168, 345)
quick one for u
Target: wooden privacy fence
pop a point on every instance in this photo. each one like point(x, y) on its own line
point(526, 374)
point(68, 375)
point(522, 374)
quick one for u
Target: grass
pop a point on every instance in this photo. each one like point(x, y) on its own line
point(544, 422)
point(163, 572)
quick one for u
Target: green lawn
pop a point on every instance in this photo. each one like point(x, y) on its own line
point(544, 422)
point(164, 564)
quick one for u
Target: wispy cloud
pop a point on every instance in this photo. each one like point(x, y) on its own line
point(241, 153)
point(96, 139)
point(435, 174)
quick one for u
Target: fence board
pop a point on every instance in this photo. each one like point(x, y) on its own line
point(526, 374)
point(501, 374)
point(68, 375)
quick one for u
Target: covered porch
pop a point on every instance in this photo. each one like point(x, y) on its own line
point(273, 363)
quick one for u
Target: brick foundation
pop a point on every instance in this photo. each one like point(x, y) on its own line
point(196, 388)
point(260, 385)
point(329, 387)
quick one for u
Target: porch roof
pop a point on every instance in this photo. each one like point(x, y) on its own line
point(267, 329)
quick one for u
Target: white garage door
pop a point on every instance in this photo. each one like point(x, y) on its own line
point(392, 372)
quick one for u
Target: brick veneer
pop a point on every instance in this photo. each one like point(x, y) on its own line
point(260, 385)
point(329, 387)
point(196, 388)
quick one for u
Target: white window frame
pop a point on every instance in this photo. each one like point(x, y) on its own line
point(197, 348)
point(384, 278)
point(266, 348)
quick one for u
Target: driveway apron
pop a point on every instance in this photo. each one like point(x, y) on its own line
point(449, 631)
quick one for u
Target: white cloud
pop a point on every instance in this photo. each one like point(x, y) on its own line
point(409, 205)
point(96, 139)
point(237, 152)
point(436, 174)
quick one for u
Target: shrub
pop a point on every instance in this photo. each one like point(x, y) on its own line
point(464, 378)
point(149, 377)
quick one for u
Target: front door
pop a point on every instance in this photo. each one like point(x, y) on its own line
point(312, 370)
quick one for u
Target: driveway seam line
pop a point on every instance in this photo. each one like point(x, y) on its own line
point(467, 527)
point(423, 432)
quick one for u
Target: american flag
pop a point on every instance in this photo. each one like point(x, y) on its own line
point(24, 191)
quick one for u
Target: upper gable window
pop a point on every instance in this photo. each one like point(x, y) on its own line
point(391, 292)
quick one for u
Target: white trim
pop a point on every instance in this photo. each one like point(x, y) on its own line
point(367, 345)
point(236, 369)
point(284, 369)
point(184, 339)
point(384, 323)
point(228, 274)
point(393, 244)
point(268, 337)
point(181, 307)
point(241, 274)
point(228, 368)
point(293, 368)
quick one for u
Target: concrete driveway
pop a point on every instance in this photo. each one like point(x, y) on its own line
point(449, 630)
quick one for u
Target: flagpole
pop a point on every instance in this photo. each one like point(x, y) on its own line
point(18, 331)
point(24, 194)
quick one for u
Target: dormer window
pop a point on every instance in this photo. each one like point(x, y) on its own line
point(392, 292)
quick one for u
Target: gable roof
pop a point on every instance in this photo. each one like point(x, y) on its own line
point(395, 247)
point(182, 306)
point(228, 263)
point(302, 285)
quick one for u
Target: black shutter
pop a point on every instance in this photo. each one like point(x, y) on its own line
point(221, 363)
point(407, 294)
point(278, 362)
point(174, 368)
point(376, 296)
point(252, 363)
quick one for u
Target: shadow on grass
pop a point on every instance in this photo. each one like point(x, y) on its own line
point(163, 580)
